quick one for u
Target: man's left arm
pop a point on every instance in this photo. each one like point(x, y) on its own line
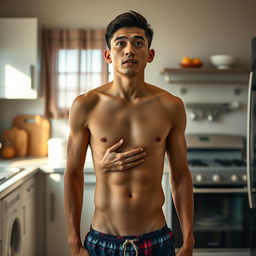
point(180, 177)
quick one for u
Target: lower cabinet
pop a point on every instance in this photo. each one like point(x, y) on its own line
point(29, 232)
point(20, 233)
point(167, 192)
point(88, 204)
point(56, 234)
point(56, 229)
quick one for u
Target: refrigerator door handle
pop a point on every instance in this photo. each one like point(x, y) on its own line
point(249, 143)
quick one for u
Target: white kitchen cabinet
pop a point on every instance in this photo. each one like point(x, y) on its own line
point(56, 230)
point(28, 204)
point(19, 58)
point(167, 193)
point(88, 204)
point(19, 229)
point(56, 234)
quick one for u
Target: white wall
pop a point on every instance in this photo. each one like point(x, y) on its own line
point(196, 28)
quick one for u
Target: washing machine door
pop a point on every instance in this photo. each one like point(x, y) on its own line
point(14, 247)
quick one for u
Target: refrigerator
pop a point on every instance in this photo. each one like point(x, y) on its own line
point(251, 150)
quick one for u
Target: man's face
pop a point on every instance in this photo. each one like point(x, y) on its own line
point(129, 51)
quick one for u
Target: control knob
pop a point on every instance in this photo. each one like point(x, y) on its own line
point(244, 177)
point(199, 177)
point(234, 178)
point(216, 178)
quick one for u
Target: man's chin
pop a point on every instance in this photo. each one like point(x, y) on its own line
point(130, 72)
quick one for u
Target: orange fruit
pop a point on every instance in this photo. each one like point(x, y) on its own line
point(196, 61)
point(8, 152)
point(186, 61)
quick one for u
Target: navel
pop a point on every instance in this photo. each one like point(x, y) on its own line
point(103, 139)
point(158, 139)
point(130, 195)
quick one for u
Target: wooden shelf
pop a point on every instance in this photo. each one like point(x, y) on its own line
point(205, 71)
point(206, 76)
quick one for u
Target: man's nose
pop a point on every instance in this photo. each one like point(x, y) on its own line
point(129, 50)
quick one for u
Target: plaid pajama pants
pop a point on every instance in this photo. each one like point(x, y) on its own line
point(156, 243)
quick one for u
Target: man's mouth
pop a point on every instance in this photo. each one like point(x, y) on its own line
point(133, 61)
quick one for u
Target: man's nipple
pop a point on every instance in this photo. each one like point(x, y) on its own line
point(130, 195)
point(158, 139)
point(103, 139)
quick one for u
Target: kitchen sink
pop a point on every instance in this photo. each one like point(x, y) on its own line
point(8, 172)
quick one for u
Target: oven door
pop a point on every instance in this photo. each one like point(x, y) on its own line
point(221, 219)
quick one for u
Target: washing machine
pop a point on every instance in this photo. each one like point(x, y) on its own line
point(12, 224)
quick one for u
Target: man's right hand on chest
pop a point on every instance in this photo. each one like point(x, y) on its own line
point(114, 162)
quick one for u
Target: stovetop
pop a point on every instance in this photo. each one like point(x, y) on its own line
point(218, 173)
point(217, 162)
point(217, 159)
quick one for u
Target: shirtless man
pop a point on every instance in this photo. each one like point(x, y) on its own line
point(129, 125)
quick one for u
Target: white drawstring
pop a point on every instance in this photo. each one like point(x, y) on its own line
point(127, 242)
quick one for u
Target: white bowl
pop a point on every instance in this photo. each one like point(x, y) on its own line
point(223, 61)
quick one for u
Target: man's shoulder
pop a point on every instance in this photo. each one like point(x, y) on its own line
point(89, 100)
point(83, 106)
point(174, 106)
point(167, 99)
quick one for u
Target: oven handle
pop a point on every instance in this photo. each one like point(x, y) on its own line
point(249, 145)
point(219, 190)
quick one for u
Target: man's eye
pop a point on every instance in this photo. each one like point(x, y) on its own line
point(139, 44)
point(120, 43)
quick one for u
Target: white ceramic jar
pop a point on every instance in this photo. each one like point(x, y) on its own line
point(56, 152)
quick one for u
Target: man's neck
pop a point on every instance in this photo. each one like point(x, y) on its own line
point(128, 88)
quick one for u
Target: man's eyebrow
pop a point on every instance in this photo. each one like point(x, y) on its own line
point(125, 37)
point(120, 38)
point(139, 37)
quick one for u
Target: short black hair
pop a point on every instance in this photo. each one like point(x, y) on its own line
point(128, 20)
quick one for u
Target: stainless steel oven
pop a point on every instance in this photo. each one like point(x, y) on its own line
point(221, 219)
point(218, 169)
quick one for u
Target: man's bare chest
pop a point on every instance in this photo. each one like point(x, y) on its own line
point(142, 124)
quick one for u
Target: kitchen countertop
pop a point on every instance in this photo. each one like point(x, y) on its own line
point(27, 162)
point(30, 166)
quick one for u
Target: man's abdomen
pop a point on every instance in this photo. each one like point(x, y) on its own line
point(129, 202)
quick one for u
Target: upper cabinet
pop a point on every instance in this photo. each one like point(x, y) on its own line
point(19, 58)
point(206, 76)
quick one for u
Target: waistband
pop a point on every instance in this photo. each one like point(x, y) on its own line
point(150, 235)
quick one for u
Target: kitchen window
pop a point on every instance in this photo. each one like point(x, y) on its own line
point(73, 64)
point(77, 72)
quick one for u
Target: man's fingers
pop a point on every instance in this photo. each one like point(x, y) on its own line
point(131, 152)
point(116, 146)
point(121, 166)
point(134, 157)
point(131, 164)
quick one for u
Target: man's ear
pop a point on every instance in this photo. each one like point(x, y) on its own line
point(107, 56)
point(151, 55)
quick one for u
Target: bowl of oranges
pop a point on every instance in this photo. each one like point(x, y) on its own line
point(188, 62)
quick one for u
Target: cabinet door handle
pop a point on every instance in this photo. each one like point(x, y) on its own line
point(24, 219)
point(52, 207)
point(32, 76)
